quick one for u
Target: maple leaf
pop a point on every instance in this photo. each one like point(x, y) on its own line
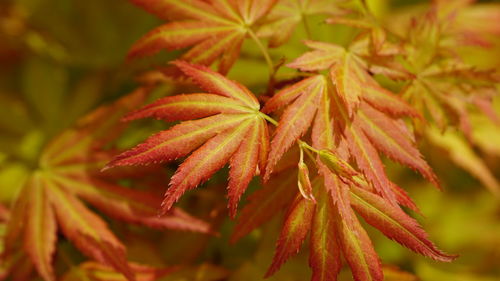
point(68, 173)
point(464, 156)
point(215, 30)
point(348, 71)
point(295, 228)
point(274, 197)
point(371, 127)
point(98, 272)
point(324, 248)
point(296, 119)
point(375, 131)
point(460, 23)
point(395, 224)
point(333, 236)
point(446, 90)
point(393, 273)
point(441, 85)
point(231, 130)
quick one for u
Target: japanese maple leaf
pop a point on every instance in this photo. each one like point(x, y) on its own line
point(331, 236)
point(231, 130)
point(16, 266)
point(274, 197)
point(447, 90)
point(68, 174)
point(215, 29)
point(460, 23)
point(330, 219)
point(370, 126)
point(348, 71)
point(98, 272)
point(462, 153)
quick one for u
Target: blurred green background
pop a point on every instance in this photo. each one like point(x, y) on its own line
point(61, 58)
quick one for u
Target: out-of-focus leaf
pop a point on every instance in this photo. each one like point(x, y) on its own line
point(393, 273)
point(204, 272)
point(98, 272)
point(230, 117)
point(427, 272)
point(69, 171)
point(464, 156)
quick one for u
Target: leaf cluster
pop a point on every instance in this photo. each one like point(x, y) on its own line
point(312, 141)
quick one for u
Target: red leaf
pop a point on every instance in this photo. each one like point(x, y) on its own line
point(349, 79)
point(204, 162)
point(369, 161)
point(223, 137)
point(391, 137)
point(385, 101)
point(176, 35)
point(323, 57)
point(290, 93)
point(185, 107)
point(265, 203)
point(48, 200)
point(395, 224)
point(130, 205)
point(295, 121)
point(173, 9)
point(358, 251)
point(40, 235)
point(88, 232)
point(324, 256)
point(322, 134)
point(338, 191)
point(214, 30)
point(178, 141)
point(98, 272)
point(297, 224)
point(243, 166)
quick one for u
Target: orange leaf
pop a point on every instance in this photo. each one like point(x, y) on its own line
point(40, 236)
point(324, 256)
point(296, 119)
point(272, 198)
point(233, 130)
point(395, 224)
point(358, 251)
point(297, 224)
point(213, 30)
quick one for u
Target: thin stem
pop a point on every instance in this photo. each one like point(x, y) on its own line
point(302, 144)
point(306, 145)
point(301, 159)
point(268, 118)
point(264, 51)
